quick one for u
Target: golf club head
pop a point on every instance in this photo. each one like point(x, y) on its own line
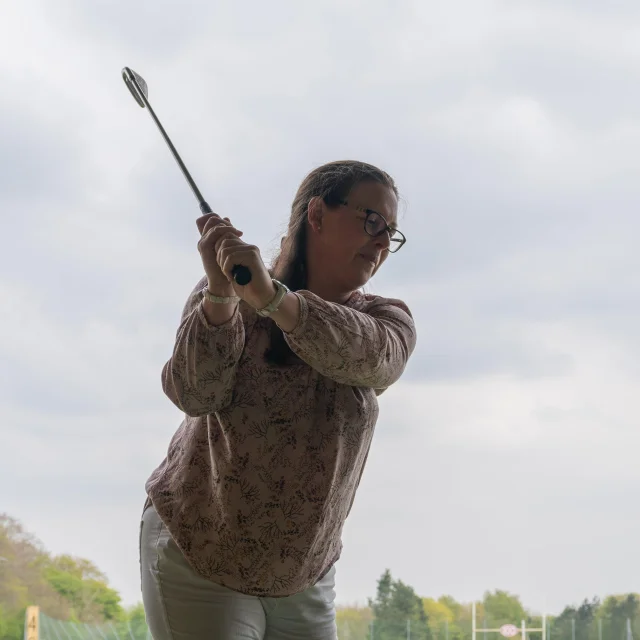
point(131, 79)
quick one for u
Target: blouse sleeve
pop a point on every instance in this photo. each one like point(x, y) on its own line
point(200, 375)
point(360, 348)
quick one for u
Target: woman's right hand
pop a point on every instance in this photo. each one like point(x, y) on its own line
point(212, 229)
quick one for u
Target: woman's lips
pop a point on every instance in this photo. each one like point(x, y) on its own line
point(373, 260)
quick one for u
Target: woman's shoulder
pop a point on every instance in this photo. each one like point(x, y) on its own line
point(366, 302)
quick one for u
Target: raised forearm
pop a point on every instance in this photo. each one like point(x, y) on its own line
point(218, 314)
point(200, 375)
point(287, 315)
point(358, 348)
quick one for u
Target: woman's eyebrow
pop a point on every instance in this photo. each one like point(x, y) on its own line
point(393, 225)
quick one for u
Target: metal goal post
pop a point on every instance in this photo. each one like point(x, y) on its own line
point(509, 630)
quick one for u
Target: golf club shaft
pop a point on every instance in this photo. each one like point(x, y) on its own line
point(173, 150)
point(241, 274)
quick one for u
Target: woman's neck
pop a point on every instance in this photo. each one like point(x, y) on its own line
point(320, 282)
point(329, 291)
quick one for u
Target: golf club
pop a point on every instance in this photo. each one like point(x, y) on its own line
point(140, 92)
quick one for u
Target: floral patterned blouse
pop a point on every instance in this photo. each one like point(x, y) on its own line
point(260, 476)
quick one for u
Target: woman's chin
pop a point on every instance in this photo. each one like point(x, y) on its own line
point(361, 277)
point(355, 275)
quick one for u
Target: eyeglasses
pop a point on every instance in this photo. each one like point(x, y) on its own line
point(375, 225)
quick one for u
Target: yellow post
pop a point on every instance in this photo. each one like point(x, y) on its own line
point(32, 624)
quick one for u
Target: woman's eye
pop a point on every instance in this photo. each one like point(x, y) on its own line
point(375, 222)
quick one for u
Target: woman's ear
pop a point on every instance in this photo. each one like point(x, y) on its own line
point(315, 211)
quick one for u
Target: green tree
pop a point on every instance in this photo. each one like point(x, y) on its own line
point(445, 616)
point(397, 607)
point(64, 587)
point(85, 588)
point(133, 626)
point(353, 622)
point(21, 579)
point(615, 611)
point(502, 607)
point(438, 612)
point(453, 605)
point(579, 620)
point(11, 623)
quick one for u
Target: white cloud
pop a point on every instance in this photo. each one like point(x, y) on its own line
point(512, 130)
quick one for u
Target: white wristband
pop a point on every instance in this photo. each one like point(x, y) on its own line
point(207, 295)
point(281, 292)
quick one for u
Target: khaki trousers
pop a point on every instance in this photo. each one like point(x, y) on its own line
point(181, 605)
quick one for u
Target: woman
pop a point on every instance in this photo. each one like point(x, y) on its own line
point(278, 380)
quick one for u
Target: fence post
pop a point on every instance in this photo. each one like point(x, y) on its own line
point(32, 623)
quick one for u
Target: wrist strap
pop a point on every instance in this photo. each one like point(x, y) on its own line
point(207, 295)
point(281, 292)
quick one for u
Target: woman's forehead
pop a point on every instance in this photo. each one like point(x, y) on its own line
point(376, 196)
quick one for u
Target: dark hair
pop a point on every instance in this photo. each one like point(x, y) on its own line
point(332, 182)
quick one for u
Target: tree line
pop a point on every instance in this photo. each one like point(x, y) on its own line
point(64, 587)
point(397, 612)
point(73, 589)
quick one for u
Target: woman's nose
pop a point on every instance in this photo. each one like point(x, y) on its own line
point(383, 240)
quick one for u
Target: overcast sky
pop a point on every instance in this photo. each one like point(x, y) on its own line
point(507, 457)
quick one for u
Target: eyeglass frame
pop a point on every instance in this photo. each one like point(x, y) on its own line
point(390, 230)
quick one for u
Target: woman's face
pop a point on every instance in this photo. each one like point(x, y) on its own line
point(346, 253)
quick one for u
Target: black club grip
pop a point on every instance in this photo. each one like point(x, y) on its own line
point(241, 274)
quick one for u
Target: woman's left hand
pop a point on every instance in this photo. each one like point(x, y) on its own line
point(232, 251)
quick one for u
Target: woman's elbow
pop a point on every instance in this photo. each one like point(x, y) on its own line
point(192, 407)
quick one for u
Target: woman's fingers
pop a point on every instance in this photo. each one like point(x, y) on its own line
point(209, 240)
point(227, 244)
point(210, 220)
point(207, 245)
point(202, 220)
point(232, 255)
